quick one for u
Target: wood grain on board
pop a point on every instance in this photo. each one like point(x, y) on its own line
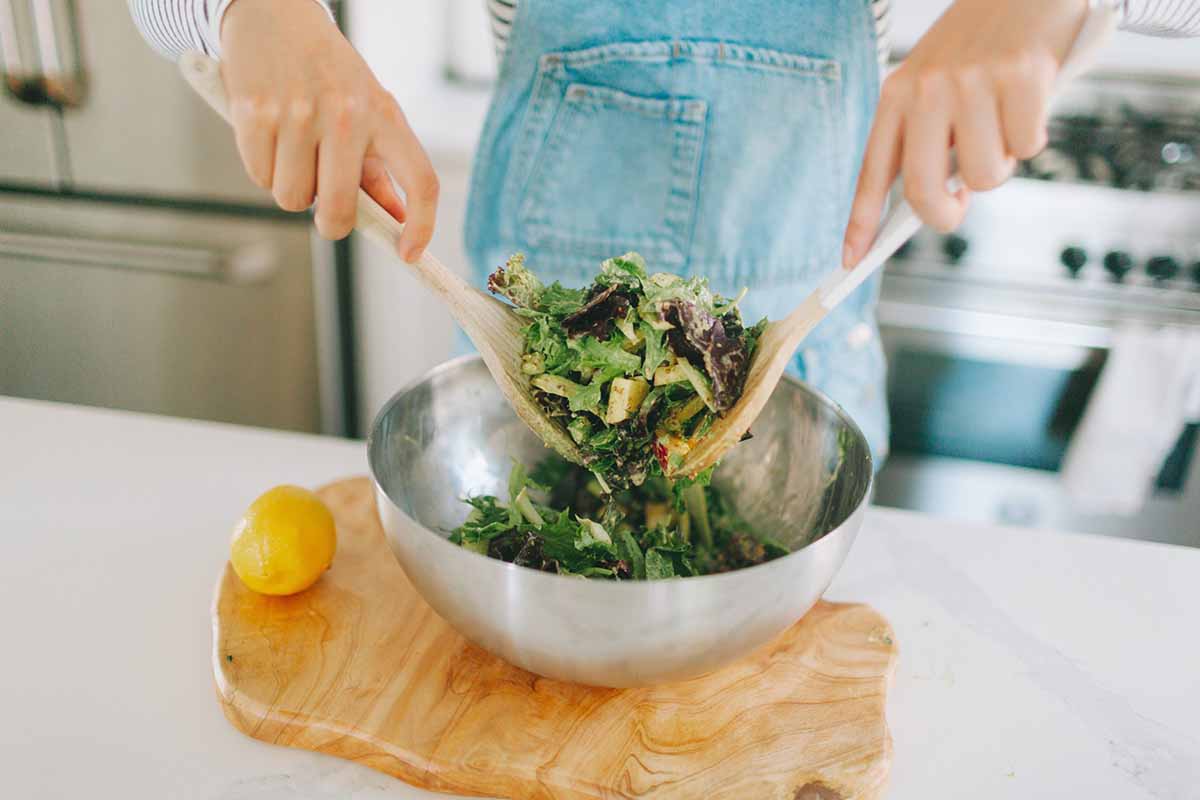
point(360, 667)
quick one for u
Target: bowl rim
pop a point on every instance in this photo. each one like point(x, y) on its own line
point(527, 572)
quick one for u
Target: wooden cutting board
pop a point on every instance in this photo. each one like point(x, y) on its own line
point(360, 667)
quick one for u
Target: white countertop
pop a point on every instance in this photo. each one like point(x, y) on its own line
point(1032, 664)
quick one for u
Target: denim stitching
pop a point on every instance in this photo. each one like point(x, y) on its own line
point(685, 175)
point(542, 179)
point(701, 51)
point(672, 109)
point(534, 127)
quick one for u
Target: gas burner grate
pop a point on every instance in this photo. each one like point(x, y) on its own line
point(1130, 149)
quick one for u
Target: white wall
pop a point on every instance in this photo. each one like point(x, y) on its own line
point(402, 330)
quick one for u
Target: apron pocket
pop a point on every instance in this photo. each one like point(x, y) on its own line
point(708, 157)
point(615, 172)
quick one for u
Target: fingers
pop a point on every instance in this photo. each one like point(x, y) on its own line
point(324, 149)
point(339, 172)
point(254, 125)
point(377, 183)
point(1024, 104)
point(925, 161)
point(397, 145)
point(880, 165)
point(983, 159)
point(294, 181)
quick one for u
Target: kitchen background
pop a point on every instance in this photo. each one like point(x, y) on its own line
point(140, 269)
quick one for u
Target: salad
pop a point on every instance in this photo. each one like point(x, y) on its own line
point(559, 519)
point(636, 366)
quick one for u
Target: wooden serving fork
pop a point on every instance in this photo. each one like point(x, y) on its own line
point(492, 325)
point(780, 340)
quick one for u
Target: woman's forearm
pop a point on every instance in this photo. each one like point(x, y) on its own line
point(172, 27)
point(1162, 17)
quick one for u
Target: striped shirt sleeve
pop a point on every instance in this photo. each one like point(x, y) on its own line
point(1178, 18)
point(172, 27)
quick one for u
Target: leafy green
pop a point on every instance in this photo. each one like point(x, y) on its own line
point(517, 283)
point(590, 398)
point(591, 353)
point(545, 337)
point(627, 270)
point(658, 566)
point(627, 325)
point(645, 532)
point(656, 349)
point(629, 551)
point(487, 520)
point(664, 287)
point(558, 300)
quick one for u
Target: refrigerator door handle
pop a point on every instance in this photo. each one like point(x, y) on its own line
point(246, 265)
point(20, 81)
point(63, 80)
point(42, 61)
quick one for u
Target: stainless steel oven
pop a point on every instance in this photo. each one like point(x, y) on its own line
point(996, 335)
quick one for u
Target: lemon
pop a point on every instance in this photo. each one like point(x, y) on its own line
point(284, 542)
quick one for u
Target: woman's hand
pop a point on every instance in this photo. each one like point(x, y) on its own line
point(978, 82)
point(313, 123)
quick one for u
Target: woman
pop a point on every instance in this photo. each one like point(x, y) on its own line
point(722, 139)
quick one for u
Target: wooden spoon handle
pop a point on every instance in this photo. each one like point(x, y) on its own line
point(902, 222)
point(203, 74)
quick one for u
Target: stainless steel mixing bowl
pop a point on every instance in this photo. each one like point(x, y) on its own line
point(805, 478)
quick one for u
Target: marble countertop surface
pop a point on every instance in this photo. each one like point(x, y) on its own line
point(1032, 664)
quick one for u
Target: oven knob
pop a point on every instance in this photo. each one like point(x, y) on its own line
point(1162, 268)
point(955, 247)
point(1117, 263)
point(1073, 258)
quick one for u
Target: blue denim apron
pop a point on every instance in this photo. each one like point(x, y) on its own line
point(718, 139)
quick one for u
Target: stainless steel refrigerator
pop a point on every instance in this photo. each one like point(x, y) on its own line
point(139, 267)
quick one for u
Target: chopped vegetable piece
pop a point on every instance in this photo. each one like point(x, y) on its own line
point(699, 383)
point(683, 413)
point(625, 396)
point(676, 373)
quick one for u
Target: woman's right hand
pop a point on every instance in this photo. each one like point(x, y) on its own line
point(313, 123)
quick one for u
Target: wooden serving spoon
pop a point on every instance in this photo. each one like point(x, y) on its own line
point(492, 325)
point(780, 340)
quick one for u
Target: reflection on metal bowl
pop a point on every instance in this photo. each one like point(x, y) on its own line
point(805, 478)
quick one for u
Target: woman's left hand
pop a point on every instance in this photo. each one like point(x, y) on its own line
point(979, 83)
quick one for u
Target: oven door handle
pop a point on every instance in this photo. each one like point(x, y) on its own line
point(987, 324)
point(991, 337)
point(245, 265)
